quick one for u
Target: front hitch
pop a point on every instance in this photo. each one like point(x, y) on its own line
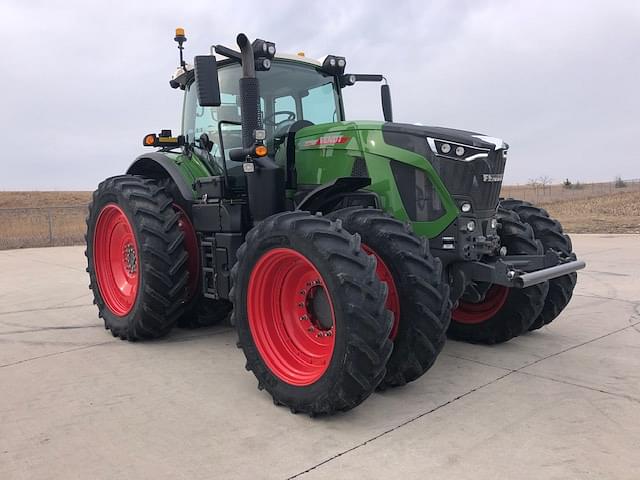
point(521, 271)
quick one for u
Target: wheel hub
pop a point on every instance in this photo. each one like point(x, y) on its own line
point(130, 259)
point(317, 309)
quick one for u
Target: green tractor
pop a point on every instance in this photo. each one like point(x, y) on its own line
point(344, 252)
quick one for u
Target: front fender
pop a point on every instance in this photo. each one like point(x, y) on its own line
point(321, 197)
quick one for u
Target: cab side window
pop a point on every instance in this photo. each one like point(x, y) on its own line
point(285, 104)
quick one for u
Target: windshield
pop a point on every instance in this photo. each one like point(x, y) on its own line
point(288, 92)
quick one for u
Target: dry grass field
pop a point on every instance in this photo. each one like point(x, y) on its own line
point(43, 199)
point(39, 219)
point(36, 219)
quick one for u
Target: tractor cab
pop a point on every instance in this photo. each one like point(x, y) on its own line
point(294, 93)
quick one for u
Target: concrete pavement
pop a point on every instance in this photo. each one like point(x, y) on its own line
point(563, 402)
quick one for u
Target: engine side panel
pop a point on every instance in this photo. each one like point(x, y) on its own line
point(324, 152)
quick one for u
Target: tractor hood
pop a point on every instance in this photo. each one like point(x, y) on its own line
point(470, 165)
point(451, 135)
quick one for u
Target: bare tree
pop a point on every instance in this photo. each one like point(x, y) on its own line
point(545, 181)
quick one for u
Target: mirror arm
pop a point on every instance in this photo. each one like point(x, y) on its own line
point(226, 52)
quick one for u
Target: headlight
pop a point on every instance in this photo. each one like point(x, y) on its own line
point(456, 151)
point(471, 226)
point(494, 223)
point(465, 207)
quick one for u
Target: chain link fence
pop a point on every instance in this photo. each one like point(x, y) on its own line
point(540, 194)
point(42, 226)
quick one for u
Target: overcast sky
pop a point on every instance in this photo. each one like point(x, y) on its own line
point(83, 81)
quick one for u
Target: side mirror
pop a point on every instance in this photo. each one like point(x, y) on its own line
point(206, 71)
point(387, 110)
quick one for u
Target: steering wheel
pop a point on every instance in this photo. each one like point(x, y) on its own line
point(271, 119)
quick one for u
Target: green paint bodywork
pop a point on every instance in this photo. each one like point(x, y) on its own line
point(327, 151)
point(191, 167)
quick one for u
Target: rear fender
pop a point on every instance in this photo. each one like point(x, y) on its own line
point(158, 165)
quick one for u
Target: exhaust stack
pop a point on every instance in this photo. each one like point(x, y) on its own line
point(249, 93)
point(265, 180)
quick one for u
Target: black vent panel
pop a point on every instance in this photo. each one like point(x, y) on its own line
point(419, 196)
point(359, 168)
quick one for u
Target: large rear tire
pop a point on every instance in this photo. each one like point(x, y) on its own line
point(199, 311)
point(137, 261)
point(549, 232)
point(310, 313)
point(418, 297)
point(492, 313)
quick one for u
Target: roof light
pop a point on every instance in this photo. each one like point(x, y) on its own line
point(262, 48)
point(264, 63)
point(334, 65)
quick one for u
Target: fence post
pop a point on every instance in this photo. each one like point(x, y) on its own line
point(50, 229)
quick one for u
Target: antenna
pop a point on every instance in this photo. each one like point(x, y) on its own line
point(180, 38)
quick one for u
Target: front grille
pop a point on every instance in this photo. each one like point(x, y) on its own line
point(461, 178)
point(466, 178)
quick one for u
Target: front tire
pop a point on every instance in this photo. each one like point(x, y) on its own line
point(137, 262)
point(492, 313)
point(549, 232)
point(310, 313)
point(418, 297)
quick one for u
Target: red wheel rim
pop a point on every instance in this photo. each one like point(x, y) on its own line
point(192, 247)
point(291, 316)
point(116, 260)
point(393, 299)
point(473, 313)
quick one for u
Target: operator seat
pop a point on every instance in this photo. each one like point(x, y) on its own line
point(285, 147)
